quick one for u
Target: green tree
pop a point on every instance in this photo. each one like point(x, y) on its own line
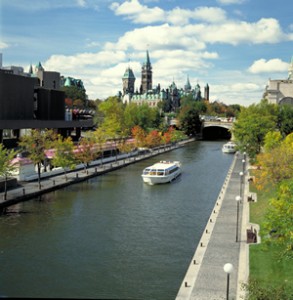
point(278, 224)
point(272, 140)
point(253, 123)
point(189, 120)
point(64, 156)
point(6, 166)
point(285, 119)
point(85, 152)
point(113, 122)
point(36, 142)
point(74, 93)
point(100, 139)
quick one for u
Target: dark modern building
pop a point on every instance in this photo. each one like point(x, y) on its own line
point(34, 102)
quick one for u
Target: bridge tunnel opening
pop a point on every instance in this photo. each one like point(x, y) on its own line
point(216, 133)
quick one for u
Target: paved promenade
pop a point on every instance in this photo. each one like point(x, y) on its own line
point(205, 278)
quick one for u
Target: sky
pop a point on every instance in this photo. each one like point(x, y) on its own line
point(234, 46)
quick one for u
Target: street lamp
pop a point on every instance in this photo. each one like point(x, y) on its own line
point(243, 165)
point(228, 268)
point(238, 199)
point(241, 176)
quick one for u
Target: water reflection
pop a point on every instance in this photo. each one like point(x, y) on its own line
point(113, 236)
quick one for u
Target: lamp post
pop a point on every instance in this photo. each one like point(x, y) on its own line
point(243, 165)
point(241, 176)
point(228, 268)
point(238, 199)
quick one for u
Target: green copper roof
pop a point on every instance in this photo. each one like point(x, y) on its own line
point(128, 74)
point(147, 60)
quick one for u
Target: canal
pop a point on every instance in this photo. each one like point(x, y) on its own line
point(113, 237)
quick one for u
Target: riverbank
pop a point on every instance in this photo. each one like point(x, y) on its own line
point(224, 240)
point(51, 181)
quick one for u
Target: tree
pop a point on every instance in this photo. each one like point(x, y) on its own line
point(100, 139)
point(276, 164)
point(139, 135)
point(85, 152)
point(74, 93)
point(253, 123)
point(144, 116)
point(189, 120)
point(277, 227)
point(6, 166)
point(36, 142)
point(285, 119)
point(64, 156)
point(113, 123)
point(153, 139)
point(272, 140)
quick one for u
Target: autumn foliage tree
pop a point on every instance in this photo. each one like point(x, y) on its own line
point(139, 136)
point(276, 164)
point(153, 139)
point(85, 152)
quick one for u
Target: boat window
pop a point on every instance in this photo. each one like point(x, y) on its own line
point(160, 173)
point(146, 171)
point(153, 172)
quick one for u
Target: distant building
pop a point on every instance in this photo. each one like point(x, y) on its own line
point(169, 97)
point(70, 81)
point(281, 91)
point(46, 79)
point(34, 100)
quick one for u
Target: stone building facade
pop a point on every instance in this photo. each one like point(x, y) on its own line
point(281, 91)
point(170, 97)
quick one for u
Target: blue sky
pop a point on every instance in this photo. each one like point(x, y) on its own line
point(233, 45)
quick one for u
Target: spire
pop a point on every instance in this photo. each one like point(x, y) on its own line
point(187, 86)
point(30, 69)
point(290, 70)
point(147, 61)
point(39, 67)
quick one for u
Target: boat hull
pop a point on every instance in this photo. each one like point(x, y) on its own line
point(159, 179)
point(229, 148)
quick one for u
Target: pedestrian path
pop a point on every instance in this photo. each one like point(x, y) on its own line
point(205, 278)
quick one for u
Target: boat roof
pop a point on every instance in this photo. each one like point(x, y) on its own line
point(163, 165)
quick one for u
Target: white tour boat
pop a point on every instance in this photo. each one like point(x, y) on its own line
point(161, 172)
point(229, 147)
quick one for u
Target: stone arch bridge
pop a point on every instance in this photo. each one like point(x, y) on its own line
point(211, 130)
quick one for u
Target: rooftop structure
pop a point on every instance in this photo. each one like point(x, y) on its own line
point(280, 91)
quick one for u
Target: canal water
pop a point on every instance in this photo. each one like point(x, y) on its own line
point(113, 237)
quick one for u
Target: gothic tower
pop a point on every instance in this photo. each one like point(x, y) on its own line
point(146, 75)
point(207, 92)
point(128, 81)
point(290, 74)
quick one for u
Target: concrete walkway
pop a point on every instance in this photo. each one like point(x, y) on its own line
point(205, 278)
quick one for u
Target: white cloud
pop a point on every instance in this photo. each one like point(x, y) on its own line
point(180, 16)
point(179, 46)
point(138, 13)
point(236, 32)
point(227, 2)
point(3, 45)
point(268, 66)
